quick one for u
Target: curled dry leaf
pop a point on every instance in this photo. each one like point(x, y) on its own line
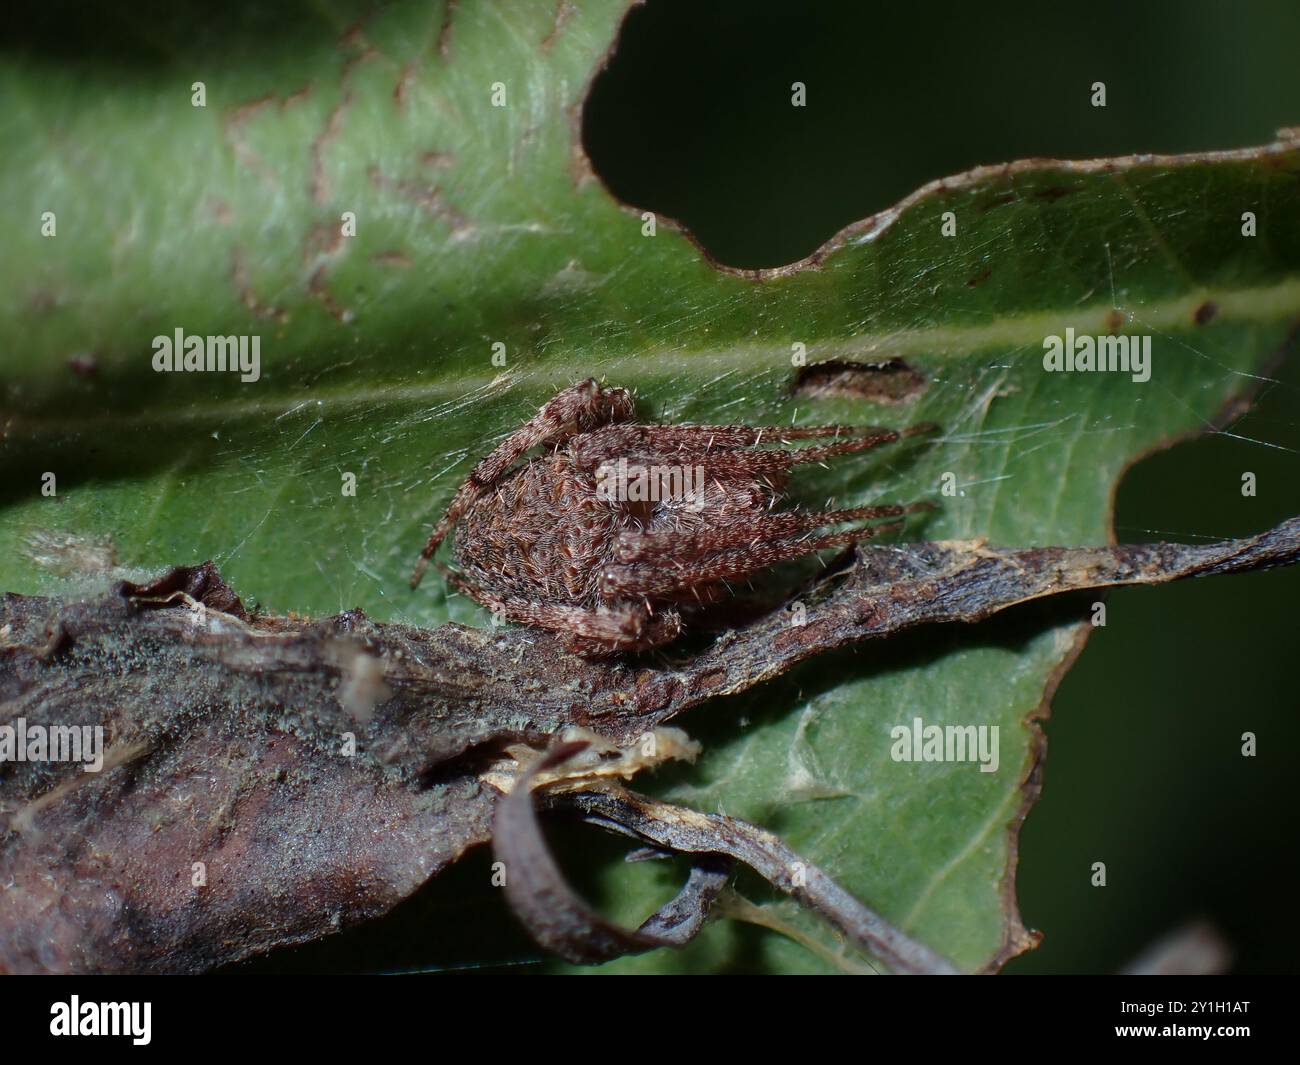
point(243, 803)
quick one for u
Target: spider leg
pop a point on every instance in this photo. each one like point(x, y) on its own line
point(649, 545)
point(775, 461)
point(588, 632)
point(664, 578)
point(662, 438)
point(624, 626)
point(578, 409)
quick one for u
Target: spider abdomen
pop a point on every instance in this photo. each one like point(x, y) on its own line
point(621, 528)
point(542, 533)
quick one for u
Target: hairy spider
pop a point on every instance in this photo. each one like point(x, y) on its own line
point(620, 527)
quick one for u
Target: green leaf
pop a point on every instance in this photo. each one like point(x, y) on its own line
point(478, 225)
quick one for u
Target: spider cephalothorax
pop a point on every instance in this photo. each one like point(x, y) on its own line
point(617, 527)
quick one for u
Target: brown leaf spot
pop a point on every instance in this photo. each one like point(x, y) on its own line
point(323, 239)
point(232, 127)
point(320, 291)
point(564, 10)
point(403, 86)
point(444, 31)
point(220, 210)
point(392, 257)
point(239, 277)
point(333, 126)
point(428, 198)
point(296, 97)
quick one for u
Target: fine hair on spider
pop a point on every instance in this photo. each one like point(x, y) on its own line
point(616, 528)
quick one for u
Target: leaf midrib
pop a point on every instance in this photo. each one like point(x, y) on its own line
point(1251, 305)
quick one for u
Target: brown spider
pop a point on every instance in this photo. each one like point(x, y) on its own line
point(619, 527)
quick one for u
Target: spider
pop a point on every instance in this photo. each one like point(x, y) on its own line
point(618, 528)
